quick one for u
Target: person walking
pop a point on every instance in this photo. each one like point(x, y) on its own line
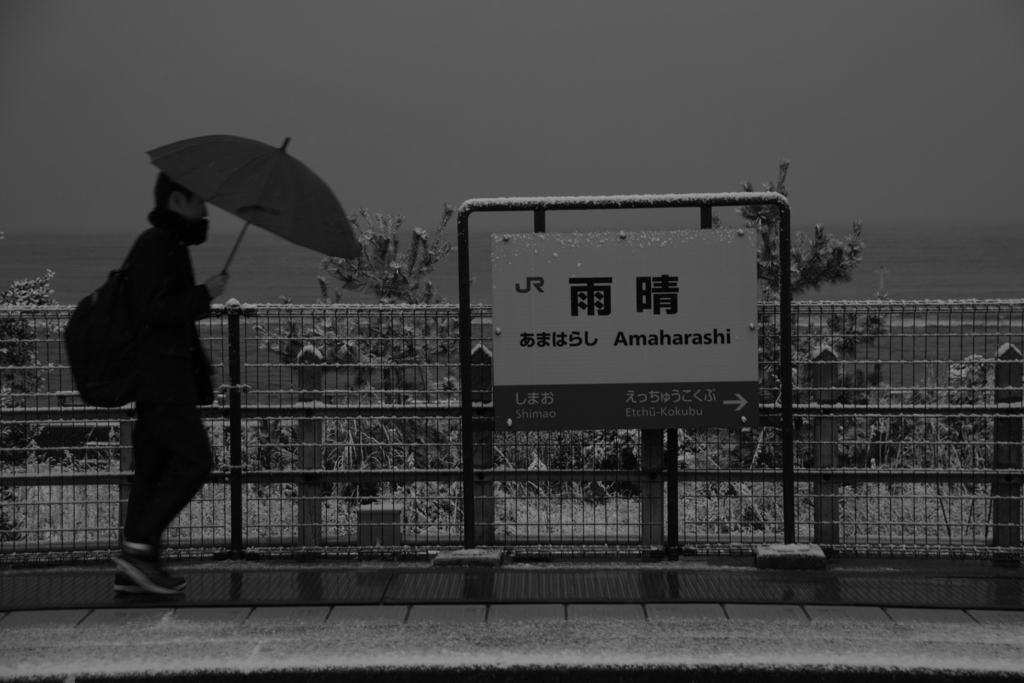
point(172, 452)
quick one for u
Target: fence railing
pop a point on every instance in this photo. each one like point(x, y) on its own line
point(337, 430)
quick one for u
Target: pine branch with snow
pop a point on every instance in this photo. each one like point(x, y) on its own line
point(814, 262)
point(382, 268)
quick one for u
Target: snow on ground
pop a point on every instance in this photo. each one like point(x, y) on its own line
point(174, 646)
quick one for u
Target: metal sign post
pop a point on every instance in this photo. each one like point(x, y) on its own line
point(526, 285)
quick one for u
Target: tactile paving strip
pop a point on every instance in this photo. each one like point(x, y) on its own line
point(94, 589)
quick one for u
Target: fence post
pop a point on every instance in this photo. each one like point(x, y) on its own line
point(1007, 436)
point(483, 487)
point(234, 310)
point(482, 374)
point(652, 496)
point(127, 465)
point(310, 434)
point(823, 375)
point(672, 454)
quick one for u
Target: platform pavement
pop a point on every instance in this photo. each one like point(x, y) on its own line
point(531, 641)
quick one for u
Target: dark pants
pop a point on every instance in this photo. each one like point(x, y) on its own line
point(172, 461)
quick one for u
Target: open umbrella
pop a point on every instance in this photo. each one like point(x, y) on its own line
point(262, 185)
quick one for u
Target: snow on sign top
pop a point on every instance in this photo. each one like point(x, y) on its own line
point(623, 201)
point(520, 244)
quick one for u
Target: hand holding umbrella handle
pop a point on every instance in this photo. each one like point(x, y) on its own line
point(234, 249)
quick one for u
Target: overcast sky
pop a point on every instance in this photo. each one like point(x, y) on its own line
point(908, 111)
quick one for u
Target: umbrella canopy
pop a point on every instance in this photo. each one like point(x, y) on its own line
point(262, 185)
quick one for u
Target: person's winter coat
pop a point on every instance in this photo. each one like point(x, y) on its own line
point(172, 365)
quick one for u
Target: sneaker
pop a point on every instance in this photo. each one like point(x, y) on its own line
point(177, 582)
point(123, 584)
point(139, 573)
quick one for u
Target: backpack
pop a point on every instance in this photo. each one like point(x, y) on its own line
point(102, 343)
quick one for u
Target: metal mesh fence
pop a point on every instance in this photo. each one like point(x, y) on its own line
point(909, 423)
point(65, 467)
point(341, 430)
point(579, 487)
point(362, 401)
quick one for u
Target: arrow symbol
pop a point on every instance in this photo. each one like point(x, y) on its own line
point(739, 404)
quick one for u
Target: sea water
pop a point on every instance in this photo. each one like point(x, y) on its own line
point(916, 262)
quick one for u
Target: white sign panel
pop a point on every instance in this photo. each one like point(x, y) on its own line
point(625, 330)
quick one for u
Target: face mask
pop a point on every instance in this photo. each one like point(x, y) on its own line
point(195, 232)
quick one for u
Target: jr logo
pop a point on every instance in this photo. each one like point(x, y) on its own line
point(537, 282)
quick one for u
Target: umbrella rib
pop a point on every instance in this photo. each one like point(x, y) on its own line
point(254, 161)
point(270, 174)
point(273, 167)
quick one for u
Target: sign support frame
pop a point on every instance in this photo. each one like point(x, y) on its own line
point(471, 413)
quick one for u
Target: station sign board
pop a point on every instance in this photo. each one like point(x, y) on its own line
point(616, 330)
